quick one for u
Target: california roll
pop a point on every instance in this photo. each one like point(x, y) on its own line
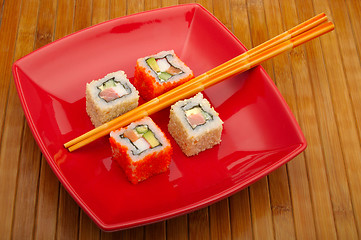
point(141, 149)
point(158, 73)
point(195, 125)
point(110, 97)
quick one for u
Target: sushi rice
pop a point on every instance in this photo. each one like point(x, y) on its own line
point(204, 134)
point(119, 97)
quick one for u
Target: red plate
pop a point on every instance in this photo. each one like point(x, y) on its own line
point(260, 133)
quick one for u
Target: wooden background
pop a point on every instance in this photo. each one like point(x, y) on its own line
point(315, 196)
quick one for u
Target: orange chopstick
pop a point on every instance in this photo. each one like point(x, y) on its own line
point(301, 28)
point(286, 41)
point(293, 32)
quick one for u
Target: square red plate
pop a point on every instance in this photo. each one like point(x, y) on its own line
point(260, 133)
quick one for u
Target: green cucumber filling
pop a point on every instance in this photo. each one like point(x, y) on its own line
point(142, 138)
point(164, 76)
point(141, 129)
point(163, 68)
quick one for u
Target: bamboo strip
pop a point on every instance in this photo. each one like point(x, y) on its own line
point(10, 117)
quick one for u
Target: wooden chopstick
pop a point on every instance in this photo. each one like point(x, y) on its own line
point(292, 38)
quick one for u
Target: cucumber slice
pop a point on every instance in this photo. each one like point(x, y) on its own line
point(149, 136)
point(108, 84)
point(207, 116)
point(164, 76)
point(153, 64)
point(141, 129)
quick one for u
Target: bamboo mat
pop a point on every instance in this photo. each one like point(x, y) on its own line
point(317, 195)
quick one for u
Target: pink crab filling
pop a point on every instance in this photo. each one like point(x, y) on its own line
point(196, 119)
point(109, 94)
point(130, 133)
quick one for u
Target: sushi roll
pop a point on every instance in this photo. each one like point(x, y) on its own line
point(195, 125)
point(156, 74)
point(141, 149)
point(110, 97)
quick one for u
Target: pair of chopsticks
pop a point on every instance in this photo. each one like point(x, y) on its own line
point(292, 38)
